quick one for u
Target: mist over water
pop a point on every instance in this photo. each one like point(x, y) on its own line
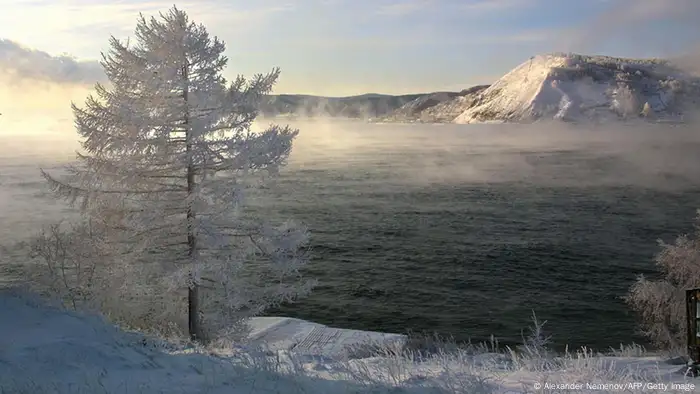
point(645, 155)
point(464, 229)
point(459, 229)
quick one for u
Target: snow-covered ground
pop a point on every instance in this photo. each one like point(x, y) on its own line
point(303, 337)
point(45, 349)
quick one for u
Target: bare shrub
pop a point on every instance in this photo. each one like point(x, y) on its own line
point(536, 343)
point(73, 262)
point(69, 259)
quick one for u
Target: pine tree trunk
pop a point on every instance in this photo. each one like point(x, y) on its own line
point(193, 318)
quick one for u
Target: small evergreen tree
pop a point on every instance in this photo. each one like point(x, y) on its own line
point(168, 154)
point(626, 102)
point(647, 111)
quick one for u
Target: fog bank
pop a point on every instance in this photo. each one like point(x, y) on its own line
point(555, 153)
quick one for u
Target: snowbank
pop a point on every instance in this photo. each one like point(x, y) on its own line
point(288, 334)
point(46, 349)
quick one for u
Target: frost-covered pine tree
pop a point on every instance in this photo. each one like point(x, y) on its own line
point(168, 152)
point(626, 102)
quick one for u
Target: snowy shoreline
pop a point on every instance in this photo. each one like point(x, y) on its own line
point(50, 350)
point(290, 334)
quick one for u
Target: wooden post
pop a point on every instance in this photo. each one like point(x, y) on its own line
point(692, 313)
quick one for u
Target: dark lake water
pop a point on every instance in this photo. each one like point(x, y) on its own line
point(465, 230)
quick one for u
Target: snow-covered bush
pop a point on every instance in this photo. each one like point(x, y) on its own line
point(168, 153)
point(661, 302)
point(626, 102)
point(70, 262)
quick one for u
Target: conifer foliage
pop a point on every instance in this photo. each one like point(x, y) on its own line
point(168, 154)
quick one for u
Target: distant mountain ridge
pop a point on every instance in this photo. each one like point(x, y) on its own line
point(558, 86)
point(365, 106)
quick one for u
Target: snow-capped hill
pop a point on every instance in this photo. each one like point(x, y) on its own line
point(567, 87)
point(576, 87)
point(519, 94)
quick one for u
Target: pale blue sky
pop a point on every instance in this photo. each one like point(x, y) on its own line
point(345, 47)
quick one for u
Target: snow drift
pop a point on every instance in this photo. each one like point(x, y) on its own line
point(45, 349)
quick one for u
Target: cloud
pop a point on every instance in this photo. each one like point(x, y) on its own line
point(404, 8)
point(419, 40)
point(475, 7)
point(83, 27)
point(487, 6)
point(36, 89)
point(627, 20)
point(524, 36)
point(25, 63)
point(37, 86)
point(628, 11)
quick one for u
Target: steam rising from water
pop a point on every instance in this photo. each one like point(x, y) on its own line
point(652, 156)
point(648, 155)
point(555, 154)
point(36, 130)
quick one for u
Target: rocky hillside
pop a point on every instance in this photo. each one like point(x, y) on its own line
point(436, 107)
point(568, 87)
